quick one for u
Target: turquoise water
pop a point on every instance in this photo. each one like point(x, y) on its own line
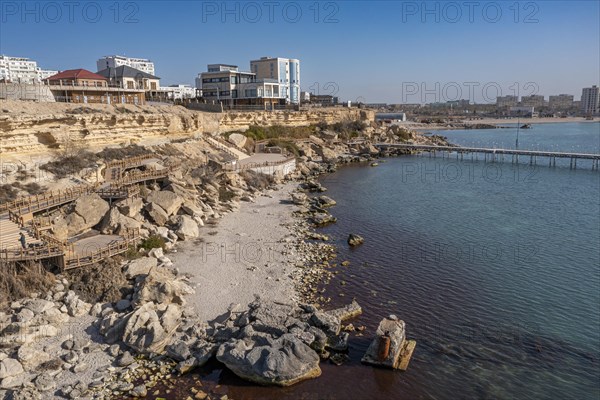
point(494, 267)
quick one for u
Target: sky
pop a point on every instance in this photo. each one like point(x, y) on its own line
point(369, 51)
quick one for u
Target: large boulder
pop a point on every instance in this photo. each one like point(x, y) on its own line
point(10, 367)
point(237, 139)
point(115, 222)
point(282, 362)
point(167, 200)
point(140, 266)
point(160, 286)
point(147, 329)
point(187, 228)
point(130, 207)
point(75, 306)
point(88, 211)
point(157, 214)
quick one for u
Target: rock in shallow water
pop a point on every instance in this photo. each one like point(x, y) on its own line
point(355, 240)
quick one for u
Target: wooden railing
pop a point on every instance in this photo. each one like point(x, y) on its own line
point(147, 175)
point(31, 204)
point(74, 260)
point(131, 161)
point(215, 143)
point(245, 167)
point(118, 192)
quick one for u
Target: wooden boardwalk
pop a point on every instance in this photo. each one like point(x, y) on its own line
point(18, 217)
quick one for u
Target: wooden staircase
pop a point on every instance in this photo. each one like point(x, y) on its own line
point(9, 234)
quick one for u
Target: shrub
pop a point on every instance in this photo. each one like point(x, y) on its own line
point(18, 281)
point(110, 154)
point(8, 193)
point(225, 195)
point(153, 242)
point(69, 162)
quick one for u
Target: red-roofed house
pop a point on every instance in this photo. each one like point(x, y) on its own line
point(77, 77)
point(83, 86)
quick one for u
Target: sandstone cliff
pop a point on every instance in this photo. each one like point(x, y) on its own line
point(28, 127)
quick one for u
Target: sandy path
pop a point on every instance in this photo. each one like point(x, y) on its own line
point(248, 253)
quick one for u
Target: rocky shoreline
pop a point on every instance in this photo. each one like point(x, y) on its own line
point(56, 345)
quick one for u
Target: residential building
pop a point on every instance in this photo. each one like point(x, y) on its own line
point(43, 74)
point(590, 100)
point(560, 101)
point(224, 83)
point(533, 101)
point(115, 61)
point(177, 92)
point(83, 86)
point(286, 71)
point(507, 101)
point(127, 77)
point(18, 69)
point(323, 99)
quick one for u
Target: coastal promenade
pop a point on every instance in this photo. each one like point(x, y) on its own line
point(494, 154)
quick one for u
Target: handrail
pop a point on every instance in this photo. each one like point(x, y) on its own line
point(131, 161)
point(37, 202)
point(241, 167)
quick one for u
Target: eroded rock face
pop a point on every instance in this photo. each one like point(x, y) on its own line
point(283, 361)
point(88, 211)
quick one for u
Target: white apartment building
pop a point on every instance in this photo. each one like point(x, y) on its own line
point(18, 69)
point(115, 61)
point(22, 70)
point(590, 100)
point(286, 71)
point(43, 74)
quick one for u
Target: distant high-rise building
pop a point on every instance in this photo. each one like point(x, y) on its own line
point(561, 101)
point(285, 71)
point(590, 100)
point(22, 70)
point(141, 64)
point(507, 101)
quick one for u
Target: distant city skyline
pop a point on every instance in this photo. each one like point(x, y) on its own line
point(392, 52)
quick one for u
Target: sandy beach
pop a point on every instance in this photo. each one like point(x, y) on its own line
point(249, 253)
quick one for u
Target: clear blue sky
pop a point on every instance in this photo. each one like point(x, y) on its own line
point(379, 51)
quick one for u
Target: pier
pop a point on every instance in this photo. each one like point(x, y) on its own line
point(493, 154)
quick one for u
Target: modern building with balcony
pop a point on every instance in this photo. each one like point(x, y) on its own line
point(83, 86)
point(286, 71)
point(225, 84)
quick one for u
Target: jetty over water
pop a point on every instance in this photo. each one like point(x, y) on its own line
point(495, 154)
